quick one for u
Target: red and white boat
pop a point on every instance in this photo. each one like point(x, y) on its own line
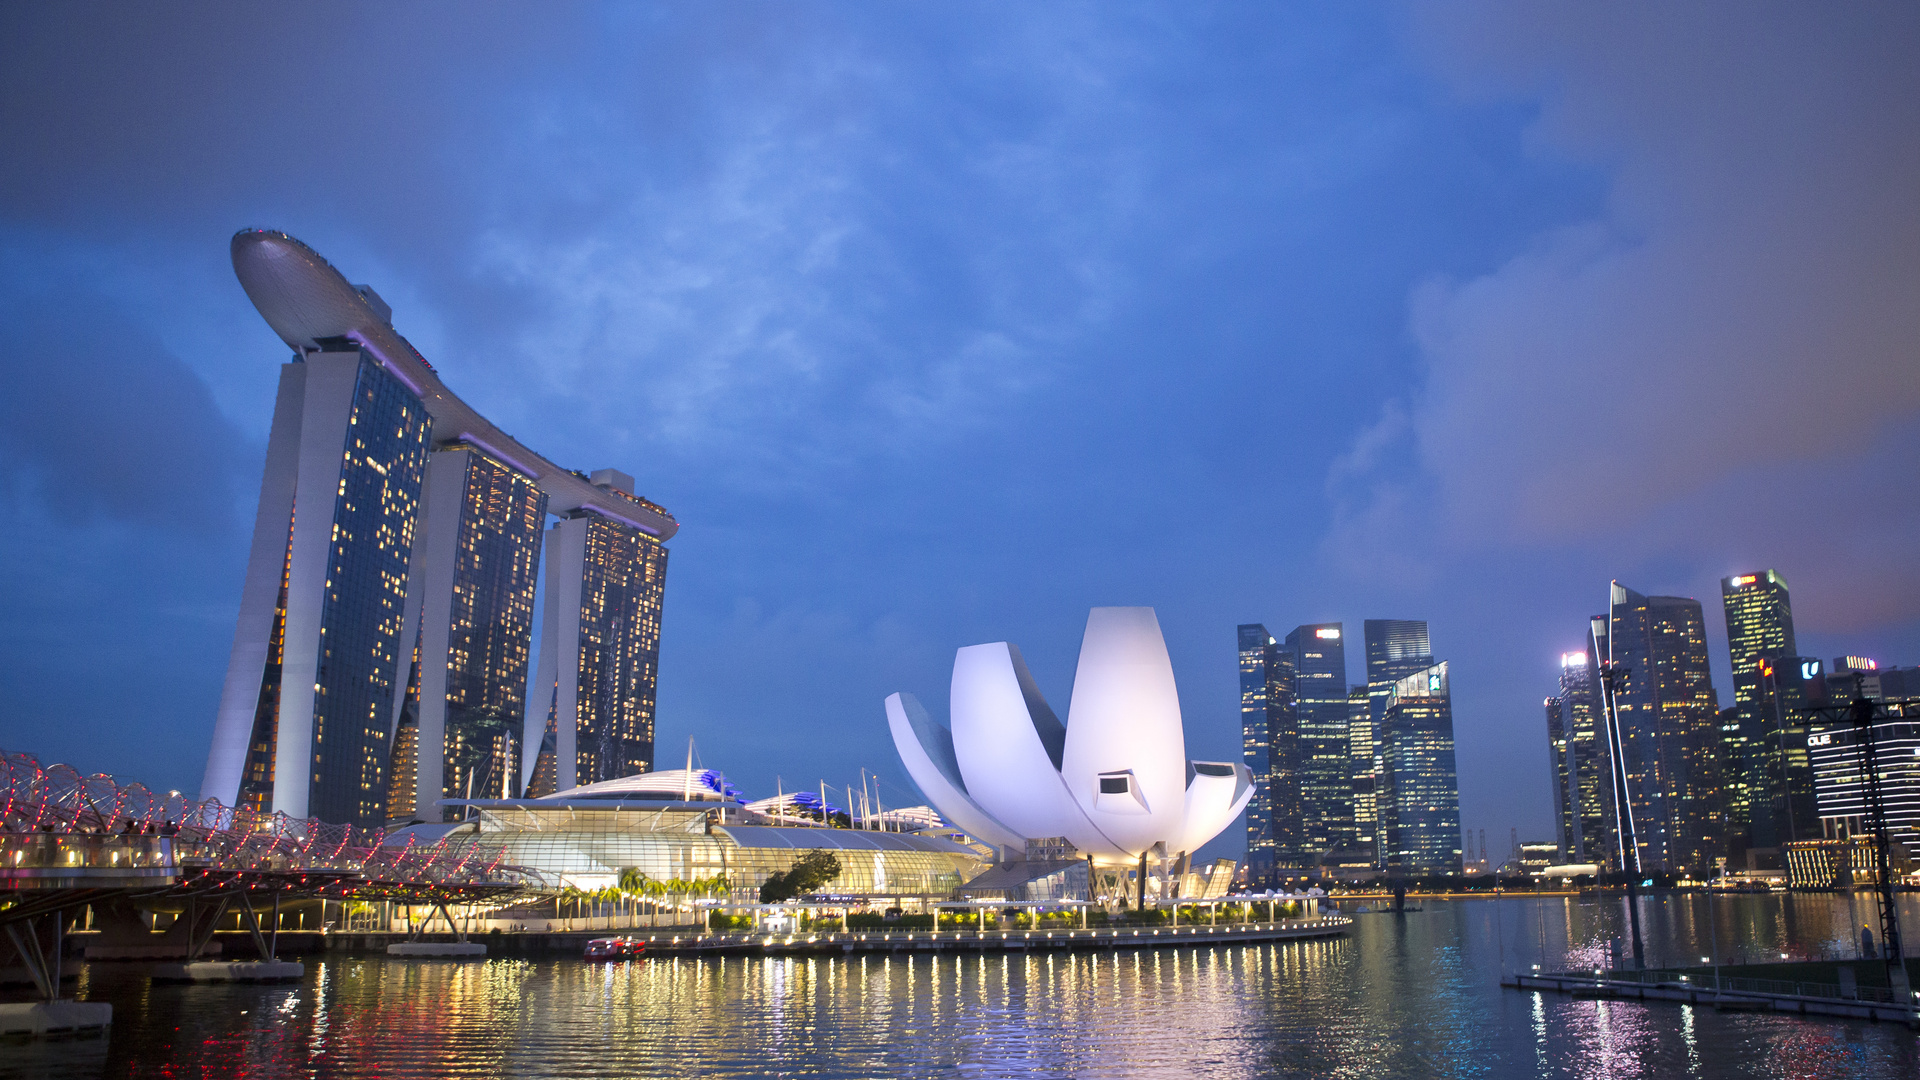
point(615, 948)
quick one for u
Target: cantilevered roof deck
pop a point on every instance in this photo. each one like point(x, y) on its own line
point(310, 305)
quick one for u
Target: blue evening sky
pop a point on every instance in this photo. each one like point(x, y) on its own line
point(941, 323)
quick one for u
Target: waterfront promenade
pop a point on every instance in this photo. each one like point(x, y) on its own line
point(687, 941)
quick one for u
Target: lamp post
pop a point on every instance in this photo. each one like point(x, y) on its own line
point(1862, 713)
point(1610, 673)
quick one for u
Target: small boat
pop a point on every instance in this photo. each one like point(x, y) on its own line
point(615, 948)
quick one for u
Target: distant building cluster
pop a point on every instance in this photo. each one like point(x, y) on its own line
point(1349, 782)
point(381, 659)
point(1763, 788)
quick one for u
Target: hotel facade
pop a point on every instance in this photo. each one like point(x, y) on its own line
point(381, 657)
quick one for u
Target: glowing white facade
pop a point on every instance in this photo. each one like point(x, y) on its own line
point(1114, 779)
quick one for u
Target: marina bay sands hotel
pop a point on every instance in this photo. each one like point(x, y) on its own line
point(380, 662)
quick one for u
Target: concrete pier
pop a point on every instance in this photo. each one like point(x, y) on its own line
point(208, 971)
point(1622, 986)
point(55, 1019)
point(439, 949)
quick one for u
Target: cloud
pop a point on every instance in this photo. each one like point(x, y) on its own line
point(101, 423)
point(1748, 305)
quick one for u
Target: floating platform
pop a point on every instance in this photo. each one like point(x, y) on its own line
point(439, 949)
point(55, 1019)
point(1606, 987)
point(919, 941)
point(211, 971)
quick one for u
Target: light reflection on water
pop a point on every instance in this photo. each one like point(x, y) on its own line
point(1411, 995)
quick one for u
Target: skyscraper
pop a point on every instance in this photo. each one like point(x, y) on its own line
point(1582, 769)
point(1256, 672)
point(1362, 747)
point(1396, 648)
point(1324, 754)
point(1668, 728)
point(380, 655)
point(469, 616)
point(599, 648)
point(1788, 685)
point(1419, 799)
point(302, 727)
point(1560, 779)
point(1759, 628)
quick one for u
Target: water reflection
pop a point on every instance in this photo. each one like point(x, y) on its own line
point(1411, 995)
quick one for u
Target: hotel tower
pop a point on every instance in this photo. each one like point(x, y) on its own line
point(380, 660)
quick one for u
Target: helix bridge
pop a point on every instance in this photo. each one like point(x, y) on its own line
point(69, 841)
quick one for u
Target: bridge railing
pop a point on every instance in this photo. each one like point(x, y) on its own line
point(52, 816)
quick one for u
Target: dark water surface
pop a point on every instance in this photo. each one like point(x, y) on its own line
point(1414, 995)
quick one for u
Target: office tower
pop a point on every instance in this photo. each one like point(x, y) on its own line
point(469, 616)
point(1759, 616)
point(380, 653)
point(1320, 705)
point(1840, 782)
point(1365, 765)
point(1788, 687)
point(1668, 730)
point(1419, 801)
point(1270, 743)
point(1560, 780)
point(1588, 801)
point(1851, 677)
point(1899, 684)
point(1396, 648)
point(302, 727)
point(599, 647)
point(1256, 671)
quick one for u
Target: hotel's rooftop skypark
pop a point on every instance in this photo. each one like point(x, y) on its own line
point(310, 305)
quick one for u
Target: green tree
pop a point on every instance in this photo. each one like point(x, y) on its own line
point(655, 890)
point(631, 884)
point(809, 872)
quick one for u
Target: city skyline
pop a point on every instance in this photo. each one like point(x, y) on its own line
point(977, 323)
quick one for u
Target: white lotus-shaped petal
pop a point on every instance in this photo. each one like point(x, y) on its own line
point(1114, 779)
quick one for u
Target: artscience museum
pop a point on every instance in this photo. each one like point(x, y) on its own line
point(1114, 780)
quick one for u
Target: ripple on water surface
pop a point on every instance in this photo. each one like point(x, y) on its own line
point(1412, 995)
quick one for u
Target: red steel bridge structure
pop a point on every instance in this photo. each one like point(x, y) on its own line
point(69, 841)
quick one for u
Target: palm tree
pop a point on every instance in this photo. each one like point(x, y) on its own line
point(655, 890)
point(631, 884)
point(709, 887)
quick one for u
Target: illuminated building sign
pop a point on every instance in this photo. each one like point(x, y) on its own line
point(1744, 579)
point(1809, 669)
point(1573, 659)
point(1819, 740)
point(1328, 634)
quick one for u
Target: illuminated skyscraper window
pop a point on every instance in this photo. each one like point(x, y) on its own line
point(317, 650)
point(600, 646)
point(1419, 798)
point(1256, 672)
point(1321, 745)
point(1759, 631)
point(1669, 730)
point(470, 610)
